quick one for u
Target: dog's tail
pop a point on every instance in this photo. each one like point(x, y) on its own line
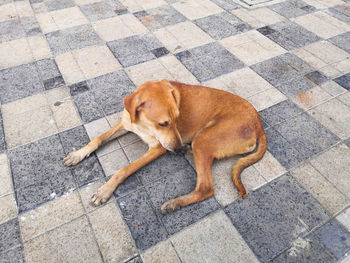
point(248, 160)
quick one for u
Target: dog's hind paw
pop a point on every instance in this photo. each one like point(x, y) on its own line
point(73, 158)
point(169, 207)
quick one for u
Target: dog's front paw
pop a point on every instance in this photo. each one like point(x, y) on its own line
point(169, 207)
point(102, 195)
point(73, 158)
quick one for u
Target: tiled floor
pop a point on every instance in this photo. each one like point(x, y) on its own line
point(65, 67)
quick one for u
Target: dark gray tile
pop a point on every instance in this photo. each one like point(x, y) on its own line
point(97, 11)
point(344, 81)
point(176, 183)
point(9, 235)
point(41, 192)
point(30, 26)
point(81, 36)
point(341, 12)
point(78, 88)
point(110, 89)
point(11, 30)
point(209, 61)
point(342, 41)
point(19, 82)
point(131, 184)
point(265, 223)
point(306, 135)
point(57, 42)
point(135, 49)
point(145, 227)
point(300, 202)
point(74, 139)
point(160, 17)
point(36, 161)
point(309, 249)
point(289, 35)
point(14, 255)
point(50, 74)
point(87, 106)
point(135, 260)
point(347, 142)
point(159, 52)
point(335, 237)
point(56, 5)
point(316, 77)
point(283, 150)
point(222, 25)
point(228, 5)
point(292, 8)
point(295, 86)
point(280, 112)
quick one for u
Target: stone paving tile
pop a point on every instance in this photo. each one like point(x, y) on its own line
point(213, 239)
point(209, 61)
point(112, 234)
point(340, 12)
point(56, 5)
point(113, 161)
point(344, 219)
point(39, 46)
point(311, 98)
point(11, 30)
point(10, 235)
point(341, 41)
point(14, 53)
point(14, 255)
point(256, 219)
point(98, 10)
point(289, 35)
point(292, 8)
point(5, 176)
point(196, 9)
point(266, 99)
point(50, 74)
point(333, 88)
point(144, 45)
point(222, 25)
point(69, 68)
point(8, 208)
point(344, 81)
point(163, 251)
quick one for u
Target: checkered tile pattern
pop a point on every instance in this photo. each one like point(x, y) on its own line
point(65, 67)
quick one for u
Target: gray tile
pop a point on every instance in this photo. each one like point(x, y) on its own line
point(57, 42)
point(177, 183)
point(9, 235)
point(289, 35)
point(347, 142)
point(222, 25)
point(50, 74)
point(36, 161)
point(279, 112)
point(145, 227)
point(30, 26)
point(135, 49)
point(335, 237)
point(307, 135)
point(97, 11)
point(14, 255)
point(56, 5)
point(283, 150)
point(341, 12)
point(10, 30)
point(78, 88)
point(131, 184)
point(110, 89)
point(266, 224)
point(341, 41)
point(87, 106)
point(209, 61)
point(317, 77)
point(19, 82)
point(299, 201)
point(344, 81)
point(74, 139)
point(308, 249)
point(226, 4)
point(292, 8)
point(41, 192)
point(81, 36)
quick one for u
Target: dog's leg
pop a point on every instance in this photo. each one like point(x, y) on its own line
point(105, 192)
point(75, 157)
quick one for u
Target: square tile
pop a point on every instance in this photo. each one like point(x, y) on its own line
point(13, 255)
point(209, 61)
point(266, 99)
point(118, 27)
point(135, 49)
point(327, 26)
point(196, 9)
point(269, 167)
point(325, 192)
point(344, 81)
point(69, 68)
point(144, 225)
point(213, 239)
point(10, 235)
point(6, 11)
point(333, 165)
point(258, 17)
point(110, 89)
point(50, 75)
point(222, 25)
point(162, 251)
point(294, 8)
point(289, 35)
point(8, 208)
point(255, 219)
point(39, 47)
point(335, 116)
point(11, 30)
point(345, 98)
point(341, 41)
point(112, 234)
point(252, 47)
point(161, 17)
point(95, 61)
point(333, 88)
point(98, 10)
point(113, 161)
point(311, 98)
point(15, 53)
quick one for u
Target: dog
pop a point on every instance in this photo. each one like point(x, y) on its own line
point(167, 115)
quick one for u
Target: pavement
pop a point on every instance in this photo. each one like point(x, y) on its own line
point(65, 67)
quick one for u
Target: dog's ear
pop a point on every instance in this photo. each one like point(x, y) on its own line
point(174, 91)
point(132, 103)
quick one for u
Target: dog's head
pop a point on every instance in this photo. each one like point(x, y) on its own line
point(154, 108)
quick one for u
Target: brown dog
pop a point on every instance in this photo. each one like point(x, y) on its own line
point(168, 114)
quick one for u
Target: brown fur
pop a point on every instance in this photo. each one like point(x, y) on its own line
point(167, 115)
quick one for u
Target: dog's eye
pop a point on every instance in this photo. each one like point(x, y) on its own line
point(163, 124)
